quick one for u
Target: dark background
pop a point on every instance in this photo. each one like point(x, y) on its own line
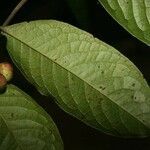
point(93, 18)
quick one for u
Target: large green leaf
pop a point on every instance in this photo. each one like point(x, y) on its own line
point(89, 79)
point(133, 15)
point(24, 125)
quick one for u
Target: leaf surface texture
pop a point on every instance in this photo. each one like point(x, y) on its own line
point(88, 78)
point(133, 15)
point(24, 125)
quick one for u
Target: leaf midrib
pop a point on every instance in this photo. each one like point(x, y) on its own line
point(5, 31)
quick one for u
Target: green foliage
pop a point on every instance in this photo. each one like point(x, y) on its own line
point(89, 79)
point(24, 125)
point(133, 15)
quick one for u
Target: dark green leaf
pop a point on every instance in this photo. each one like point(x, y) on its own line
point(24, 125)
point(133, 15)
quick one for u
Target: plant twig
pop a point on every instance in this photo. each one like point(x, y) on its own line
point(13, 13)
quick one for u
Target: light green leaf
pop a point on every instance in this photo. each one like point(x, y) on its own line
point(24, 125)
point(133, 15)
point(89, 79)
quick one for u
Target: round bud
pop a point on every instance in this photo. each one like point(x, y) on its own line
point(3, 82)
point(6, 70)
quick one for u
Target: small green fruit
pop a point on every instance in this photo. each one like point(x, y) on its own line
point(6, 70)
point(3, 82)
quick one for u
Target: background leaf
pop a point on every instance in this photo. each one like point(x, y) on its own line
point(24, 125)
point(133, 15)
point(89, 79)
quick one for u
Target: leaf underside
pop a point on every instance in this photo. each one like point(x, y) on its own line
point(24, 125)
point(88, 78)
point(133, 15)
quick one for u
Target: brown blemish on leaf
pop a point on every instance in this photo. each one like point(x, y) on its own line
point(102, 88)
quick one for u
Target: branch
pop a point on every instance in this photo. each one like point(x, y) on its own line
point(13, 13)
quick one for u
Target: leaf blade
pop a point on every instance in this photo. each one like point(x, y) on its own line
point(60, 59)
point(133, 15)
point(24, 125)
